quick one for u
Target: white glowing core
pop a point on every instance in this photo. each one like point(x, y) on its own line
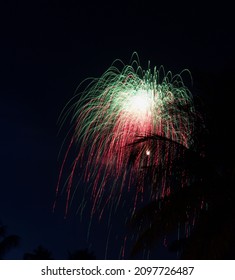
point(139, 104)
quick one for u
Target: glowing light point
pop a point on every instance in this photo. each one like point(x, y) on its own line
point(148, 152)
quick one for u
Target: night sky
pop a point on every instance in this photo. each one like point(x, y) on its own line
point(47, 49)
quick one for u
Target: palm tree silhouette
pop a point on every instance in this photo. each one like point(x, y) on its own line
point(204, 208)
point(203, 211)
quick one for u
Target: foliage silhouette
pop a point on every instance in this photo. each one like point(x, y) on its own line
point(83, 254)
point(205, 206)
point(40, 253)
point(7, 242)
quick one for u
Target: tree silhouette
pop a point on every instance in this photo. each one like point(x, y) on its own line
point(40, 253)
point(203, 211)
point(83, 254)
point(7, 242)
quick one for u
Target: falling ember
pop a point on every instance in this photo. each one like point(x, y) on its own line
point(110, 117)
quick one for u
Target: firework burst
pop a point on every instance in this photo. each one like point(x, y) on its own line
point(111, 117)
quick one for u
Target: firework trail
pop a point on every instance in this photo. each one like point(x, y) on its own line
point(126, 125)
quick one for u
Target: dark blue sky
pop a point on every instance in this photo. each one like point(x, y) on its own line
point(47, 49)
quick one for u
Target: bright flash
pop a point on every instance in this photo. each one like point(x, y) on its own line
point(139, 104)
